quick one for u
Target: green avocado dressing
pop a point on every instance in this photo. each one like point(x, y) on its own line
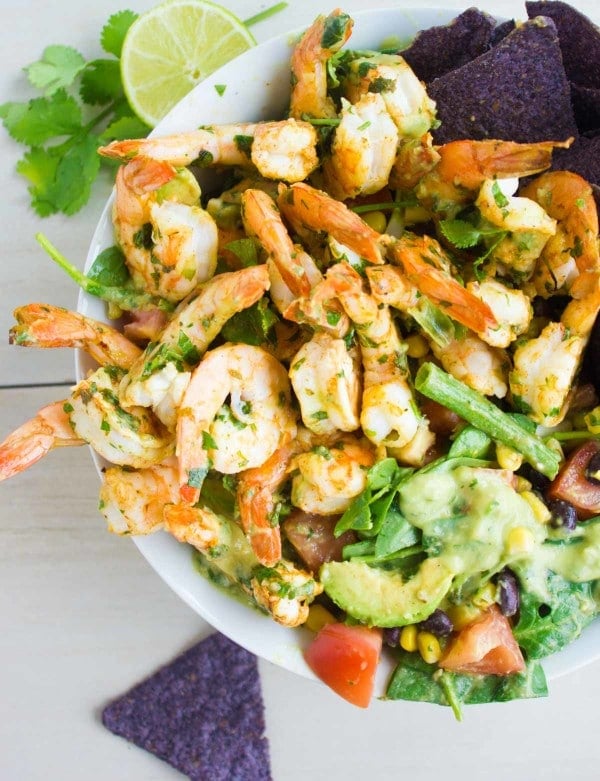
point(577, 559)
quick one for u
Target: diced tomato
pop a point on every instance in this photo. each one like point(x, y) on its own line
point(345, 658)
point(486, 646)
point(571, 483)
point(312, 537)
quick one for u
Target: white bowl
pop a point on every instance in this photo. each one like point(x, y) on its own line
point(257, 87)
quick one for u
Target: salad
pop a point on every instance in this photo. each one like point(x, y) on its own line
point(354, 378)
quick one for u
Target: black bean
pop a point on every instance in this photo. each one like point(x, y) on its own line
point(391, 637)
point(592, 471)
point(509, 592)
point(563, 514)
point(438, 623)
point(539, 482)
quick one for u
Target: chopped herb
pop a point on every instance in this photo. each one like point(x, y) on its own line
point(208, 443)
point(220, 88)
point(380, 84)
point(105, 425)
point(335, 30)
point(499, 198)
point(143, 237)
point(364, 125)
point(204, 159)
point(319, 415)
point(196, 476)
point(333, 318)
point(244, 144)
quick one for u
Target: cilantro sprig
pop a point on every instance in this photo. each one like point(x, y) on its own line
point(465, 235)
point(82, 105)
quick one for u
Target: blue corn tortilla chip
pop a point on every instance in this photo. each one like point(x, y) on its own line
point(579, 40)
point(441, 49)
point(203, 714)
point(517, 91)
point(586, 105)
point(583, 158)
point(501, 31)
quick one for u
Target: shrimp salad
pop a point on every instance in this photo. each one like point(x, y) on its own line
point(353, 379)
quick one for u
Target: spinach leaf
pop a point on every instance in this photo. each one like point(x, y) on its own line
point(109, 268)
point(547, 625)
point(218, 495)
point(470, 443)
point(396, 533)
point(414, 679)
point(251, 326)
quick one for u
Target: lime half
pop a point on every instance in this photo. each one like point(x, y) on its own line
point(172, 47)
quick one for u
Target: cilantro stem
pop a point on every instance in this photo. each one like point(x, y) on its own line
point(266, 14)
point(567, 436)
point(126, 298)
point(386, 206)
point(333, 122)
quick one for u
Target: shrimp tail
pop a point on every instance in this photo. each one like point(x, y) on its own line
point(143, 174)
point(29, 443)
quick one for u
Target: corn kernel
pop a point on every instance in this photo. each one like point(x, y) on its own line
point(413, 214)
point(486, 596)
point(318, 617)
point(521, 484)
point(376, 220)
point(417, 346)
point(592, 421)
point(429, 647)
point(408, 638)
point(508, 458)
point(463, 615)
point(541, 512)
point(519, 541)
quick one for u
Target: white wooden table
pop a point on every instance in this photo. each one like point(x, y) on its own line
point(84, 617)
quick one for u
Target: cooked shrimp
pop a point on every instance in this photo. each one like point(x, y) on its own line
point(132, 500)
point(278, 150)
point(127, 437)
point(238, 435)
point(415, 158)
point(158, 378)
point(198, 526)
point(405, 97)
point(293, 273)
point(256, 499)
point(326, 379)
point(45, 325)
point(471, 360)
point(169, 241)
point(323, 39)
point(529, 227)
point(421, 259)
point(285, 592)
point(573, 250)
point(510, 306)
point(464, 165)
point(363, 149)
point(545, 367)
point(49, 429)
point(389, 413)
point(329, 478)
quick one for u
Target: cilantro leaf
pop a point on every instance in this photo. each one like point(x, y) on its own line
point(122, 128)
point(58, 67)
point(109, 268)
point(114, 31)
point(41, 119)
point(101, 82)
point(460, 233)
point(39, 166)
point(75, 173)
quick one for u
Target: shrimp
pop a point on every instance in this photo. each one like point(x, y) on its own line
point(45, 325)
point(415, 158)
point(471, 360)
point(132, 501)
point(389, 414)
point(238, 435)
point(573, 250)
point(285, 592)
point(329, 478)
point(544, 369)
point(169, 241)
point(326, 379)
point(293, 273)
point(528, 226)
point(464, 165)
point(257, 504)
point(363, 149)
point(420, 258)
point(404, 96)
point(511, 308)
point(323, 39)
point(31, 441)
point(158, 378)
point(284, 150)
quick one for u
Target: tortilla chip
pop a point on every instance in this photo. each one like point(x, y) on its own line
point(517, 91)
point(583, 158)
point(202, 713)
point(441, 49)
point(586, 105)
point(502, 30)
point(579, 40)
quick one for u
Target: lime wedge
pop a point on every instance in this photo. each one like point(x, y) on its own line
point(172, 47)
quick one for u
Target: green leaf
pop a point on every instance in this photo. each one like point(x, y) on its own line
point(470, 443)
point(101, 82)
point(382, 474)
point(114, 31)
point(245, 251)
point(58, 68)
point(396, 533)
point(218, 496)
point(122, 128)
point(109, 268)
point(357, 516)
point(41, 119)
point(75, 174)
point(39, 167)
point(548, 624)
point(252, 326)
point(208, 443)
point(460, 233)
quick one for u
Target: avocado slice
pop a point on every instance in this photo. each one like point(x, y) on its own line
point(382, 597)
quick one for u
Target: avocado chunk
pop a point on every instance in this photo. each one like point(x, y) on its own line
point(383, 597)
